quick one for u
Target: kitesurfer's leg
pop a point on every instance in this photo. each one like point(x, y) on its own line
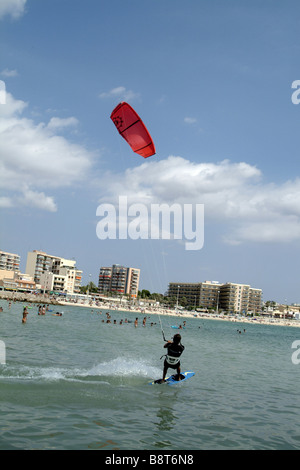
point(178, 372)
point(165, 371)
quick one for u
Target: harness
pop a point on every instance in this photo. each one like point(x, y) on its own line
point(172, 360)
point(174, 357)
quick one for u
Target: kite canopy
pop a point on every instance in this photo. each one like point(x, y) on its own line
point(133, 130)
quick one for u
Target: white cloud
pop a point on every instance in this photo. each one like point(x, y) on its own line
point(279, 229)
point(190, 120)
point(121, 93)
point(13, 107)
point(6, 202)
point(59, 123)
point(9, 73)
point(14, 8)
point(234, 195)
point(37, 199)
point(35, 158)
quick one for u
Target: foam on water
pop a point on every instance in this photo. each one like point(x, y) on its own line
point(123, 367)
point(118, 367)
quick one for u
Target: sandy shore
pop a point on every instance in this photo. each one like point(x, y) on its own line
point(185, 314)
point(111, 305)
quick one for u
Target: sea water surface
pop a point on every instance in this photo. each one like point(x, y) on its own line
point(76, 382)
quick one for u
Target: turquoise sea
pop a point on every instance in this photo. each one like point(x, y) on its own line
point(75, 382)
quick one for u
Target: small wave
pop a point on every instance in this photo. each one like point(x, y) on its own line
point(124, 367)
point(32, 373)
point(119, 367)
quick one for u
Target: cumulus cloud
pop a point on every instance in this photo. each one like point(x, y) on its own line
point(14, 8)
point(234, 195)
point(35, 158)
point(121, 93)
point(37, 199)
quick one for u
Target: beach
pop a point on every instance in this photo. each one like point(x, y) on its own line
point(112, 304)
point(186, 314)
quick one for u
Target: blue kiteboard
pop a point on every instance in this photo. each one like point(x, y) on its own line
point(173, 379)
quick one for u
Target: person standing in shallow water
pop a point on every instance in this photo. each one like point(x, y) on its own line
point(25, 313)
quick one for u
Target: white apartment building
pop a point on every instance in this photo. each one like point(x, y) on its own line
point(10, 276)
point(9, 261)
point(53, 273)
point(234, 297)
point(38, 263)
point(66, 280)
point(240, 298)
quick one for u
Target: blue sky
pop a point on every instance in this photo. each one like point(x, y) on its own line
point(212, 81)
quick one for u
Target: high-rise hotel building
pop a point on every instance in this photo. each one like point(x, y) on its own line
point(198, 294)
point(230, 297)
point(119, 279)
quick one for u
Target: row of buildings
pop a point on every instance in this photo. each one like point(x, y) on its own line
point(211, 295)
point(53, 274)
point(43, 272)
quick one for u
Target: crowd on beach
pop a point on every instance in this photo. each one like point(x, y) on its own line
point(43, 303)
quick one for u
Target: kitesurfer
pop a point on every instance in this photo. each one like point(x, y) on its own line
point(175, 349)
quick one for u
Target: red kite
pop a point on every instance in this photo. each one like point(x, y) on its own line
point(133, 130)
